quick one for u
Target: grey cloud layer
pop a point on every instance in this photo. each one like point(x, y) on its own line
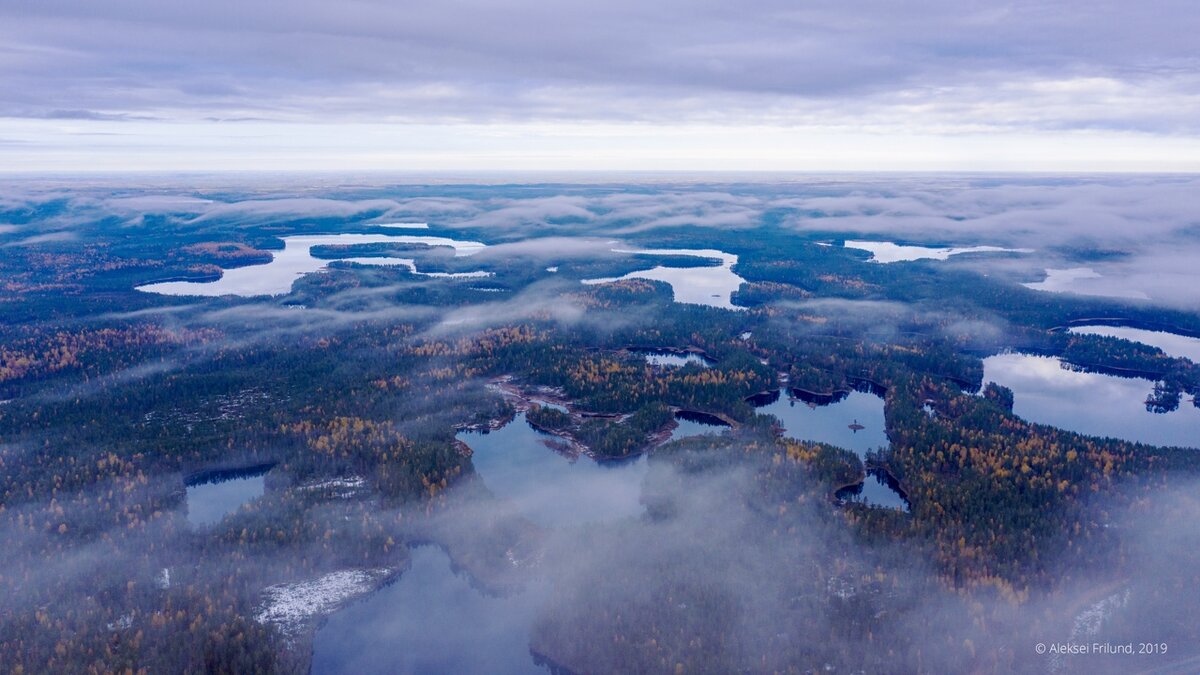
point(972, 63)
point(1148, 227)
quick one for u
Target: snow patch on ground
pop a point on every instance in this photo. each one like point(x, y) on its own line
point(1088, 623)
point(840, 587)
point(123, 622)
point(339, 487)
point(291, 605)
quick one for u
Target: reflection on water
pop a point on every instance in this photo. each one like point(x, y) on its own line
point(688, 425)
point(431, 620)
point(876, 490)
point(1090, 403)
point(516, 463)
point(1180, 346)
point(671, 359)
point(851, 420)
point(712, 286)
point(833, 423)
point(296, 260)
point(547, 404)
point(888, 252)
point(209, 501)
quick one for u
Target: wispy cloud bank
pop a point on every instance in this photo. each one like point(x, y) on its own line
point(474, 60)
point(869, 67)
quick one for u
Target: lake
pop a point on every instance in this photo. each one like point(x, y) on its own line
point(1172, 344)
point(1084, 281)
point(296, 260)
point(431, 620)
point(831, 423)
point(664, 358)
point(836, 423)
point(689, 424)
point(215, 495)
point(878, 489)
point(1090, 403)
point(517, 463)
point(890, 252)
point(712, 285)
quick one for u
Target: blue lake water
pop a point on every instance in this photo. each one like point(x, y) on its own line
point(707, 285)
point(833, 423)
point(874, 491)
point(431, 620)
point(1090, 403)
point(209, 503)
point(1179, 346)
point(548, 404)
point(296, 260)
point(517, 463)
point(672, 359)
point(690, 425)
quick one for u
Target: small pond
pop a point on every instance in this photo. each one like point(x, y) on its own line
point(212, 495)
point(879, 489)
point(691, 424)
point(666, 358)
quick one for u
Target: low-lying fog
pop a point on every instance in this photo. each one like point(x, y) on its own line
point(598, 562)
point(1130, 236)
point(709, 557)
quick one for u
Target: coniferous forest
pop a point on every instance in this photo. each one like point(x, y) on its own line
point(195, 482)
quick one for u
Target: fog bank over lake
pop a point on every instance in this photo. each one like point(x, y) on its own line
point(889, 252)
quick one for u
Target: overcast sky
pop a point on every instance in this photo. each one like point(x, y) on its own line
point(619, 84)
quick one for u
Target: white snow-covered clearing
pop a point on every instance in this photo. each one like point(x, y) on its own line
point(291, 605)
point(342, 488)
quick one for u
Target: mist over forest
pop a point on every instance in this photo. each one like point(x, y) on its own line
point(599, 426)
